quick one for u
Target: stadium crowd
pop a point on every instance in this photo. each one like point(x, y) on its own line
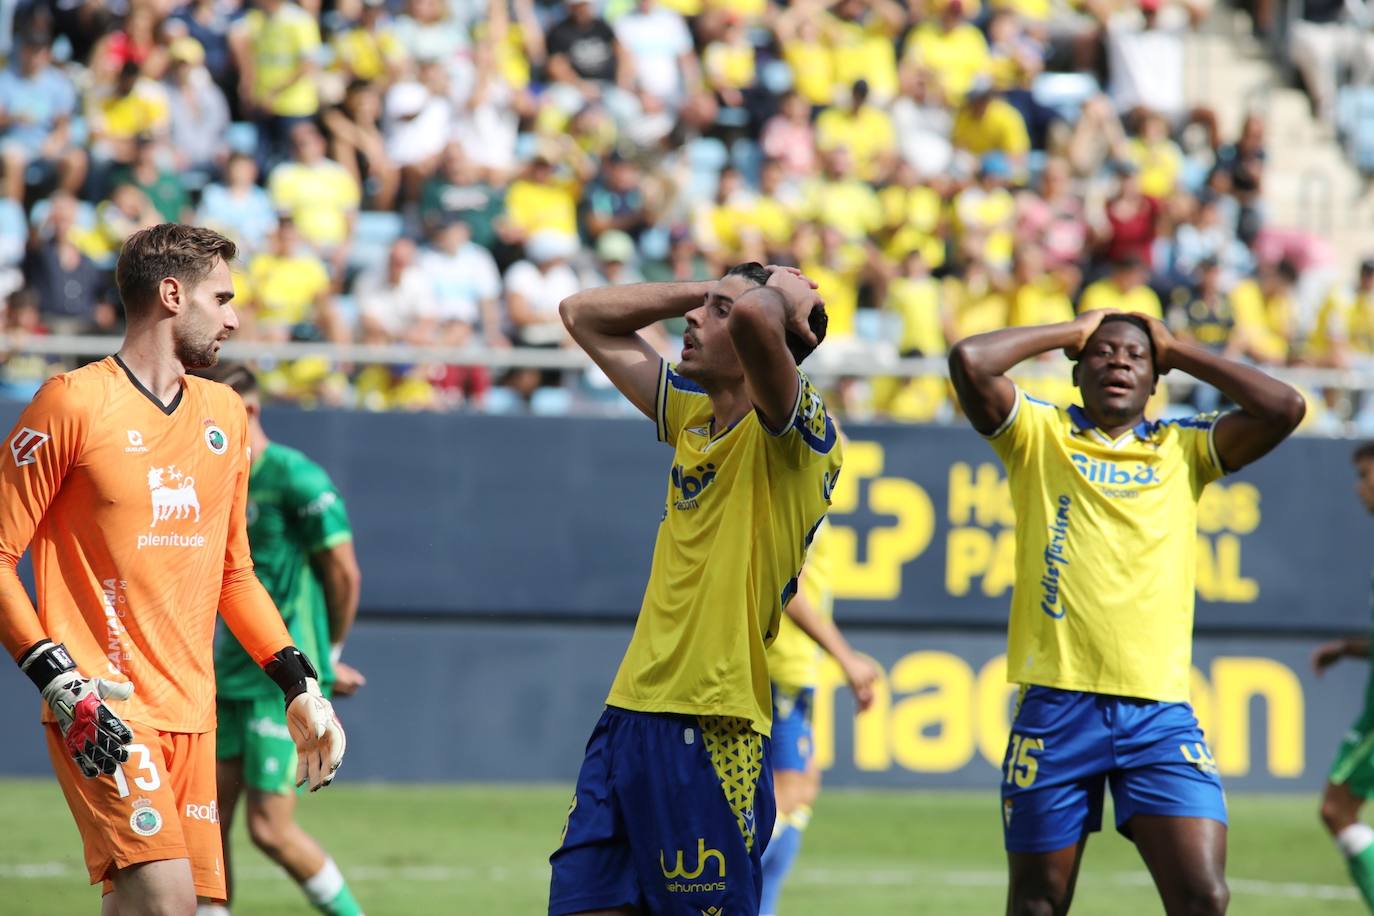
point(447, 171)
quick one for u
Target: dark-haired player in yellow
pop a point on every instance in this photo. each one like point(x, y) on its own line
point(1102, 609)
point(674, 801)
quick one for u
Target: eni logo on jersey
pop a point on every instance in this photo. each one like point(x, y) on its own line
point(174, 498)
point(1109, 472)
point(688, 485)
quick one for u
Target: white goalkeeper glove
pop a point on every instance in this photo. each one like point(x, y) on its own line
point(310, 718)
point(93, 734)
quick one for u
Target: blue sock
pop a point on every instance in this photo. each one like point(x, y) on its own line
point(779, 856)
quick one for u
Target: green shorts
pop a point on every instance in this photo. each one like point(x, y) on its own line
point(255, 730)
point(1354, 764)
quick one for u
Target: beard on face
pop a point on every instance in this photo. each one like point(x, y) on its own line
point(195, 347)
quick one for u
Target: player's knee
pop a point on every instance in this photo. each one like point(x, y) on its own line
point(1035, 905)
point(1210, 899)
point(266, 833)
point(165, 904)
point(1335, 815)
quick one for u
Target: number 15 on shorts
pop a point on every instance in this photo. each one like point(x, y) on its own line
point(1022, 760)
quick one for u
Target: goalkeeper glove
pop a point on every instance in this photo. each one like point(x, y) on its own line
point(310, 718)
point(94, 735)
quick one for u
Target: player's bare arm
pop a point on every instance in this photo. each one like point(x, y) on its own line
point(606, 323)
point(978, 364)
point(859, 672)
point(1327, 654)
point(342, 581)
point(1269, 409)
point(759, 321)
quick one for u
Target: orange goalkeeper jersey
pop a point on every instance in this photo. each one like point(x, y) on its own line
point(134, 513)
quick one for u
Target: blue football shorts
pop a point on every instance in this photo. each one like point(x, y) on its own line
point(792, 746)
point(670, 816)
point(1065, 746)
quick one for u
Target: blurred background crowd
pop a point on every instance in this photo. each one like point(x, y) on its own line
point(444, 172)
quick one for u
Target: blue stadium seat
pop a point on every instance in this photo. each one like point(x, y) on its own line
point(746, 156)
point(775, 76)
point(1355, 118)
point(242, 137)
point(85, 213)
point(706, 156)
point(501, 402)
point(373, 234)
point(347, 307)
point(550, 402)
point(1065, 92)
point(655, 243)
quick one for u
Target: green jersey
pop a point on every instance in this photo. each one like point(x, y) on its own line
point(293, 512)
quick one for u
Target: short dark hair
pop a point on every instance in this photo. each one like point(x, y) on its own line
point(187, 253)
point(817, 320)
point(1363, 452)
point(236, 375)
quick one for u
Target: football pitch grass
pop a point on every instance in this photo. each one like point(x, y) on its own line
point(482, 851)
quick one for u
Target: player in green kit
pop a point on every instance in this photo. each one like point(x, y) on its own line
point(674, 801)
point(1351, 780)
point(302, 548)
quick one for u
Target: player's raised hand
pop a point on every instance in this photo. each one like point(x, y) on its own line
point(1163, 340)
point(310, 718)
point(861, 674)
point(799, 292)
point(96, 738)
point(1086, 325)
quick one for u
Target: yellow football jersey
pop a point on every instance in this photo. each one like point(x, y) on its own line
point(794, 658)
point(741, 509)
point(1106, 534)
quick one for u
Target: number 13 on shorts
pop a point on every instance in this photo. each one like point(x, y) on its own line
point(1022, 760)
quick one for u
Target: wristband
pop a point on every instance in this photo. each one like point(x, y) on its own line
point(289, 668)
point(46, 661)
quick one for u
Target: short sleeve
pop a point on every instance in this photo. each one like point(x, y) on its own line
point(1024, 431)
point(318, 513)
point(810, 435)
point(1197, 436)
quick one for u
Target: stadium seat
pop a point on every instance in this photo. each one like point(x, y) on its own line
point(746, 156)
point(373, 234)
point(1355, 121)
point(775, 76)
point(706, 156)
point(654, 244)
point(347, 307)
point(242, 137)
point(1064, 92)
point(500, 401)
point(550, 402)
point(85, 213)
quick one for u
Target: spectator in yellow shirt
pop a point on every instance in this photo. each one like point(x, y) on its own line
point(839, 200)
point(951, 49)
point(276, 46)
point(976, 302)
point(1040, 296)
point(1157, 158)
point(862, 35)
point(367, 48)
point(118, 115)
point(1124, 289)
point(1263, 307)
point(807, 54)
point(1344, 333)
point(289, 289)
point(865, 129)
point(541, 201)
point(988, 124)
point(986, 213)
point(319, 194)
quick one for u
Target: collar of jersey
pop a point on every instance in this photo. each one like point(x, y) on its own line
point(1083, 424)
point(167, 409)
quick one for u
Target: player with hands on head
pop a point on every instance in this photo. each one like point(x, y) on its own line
point(127, 480)
point(675, 791)
point(1100, 634)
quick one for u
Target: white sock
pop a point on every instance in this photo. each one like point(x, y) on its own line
point(1355, 839)
point(212, 909)
point(325, 884)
